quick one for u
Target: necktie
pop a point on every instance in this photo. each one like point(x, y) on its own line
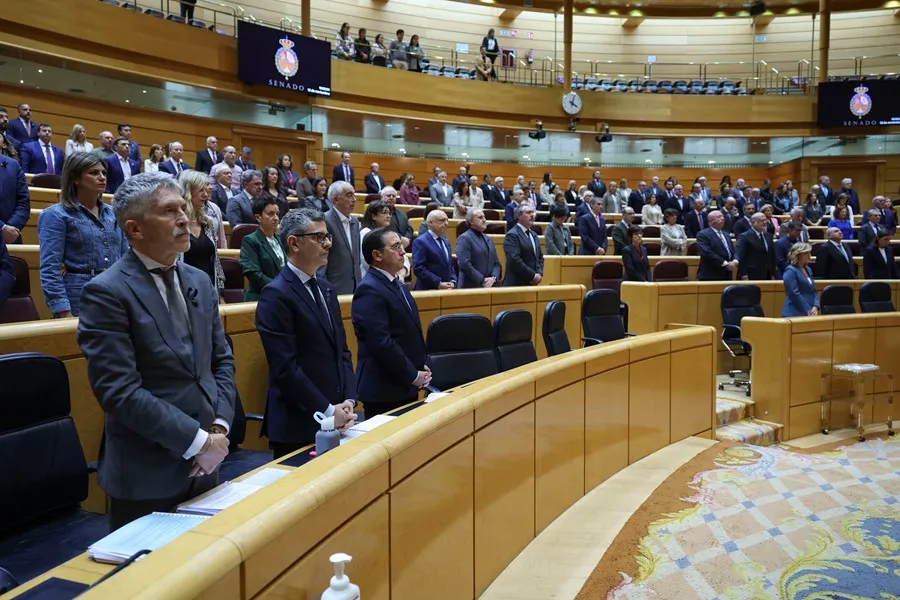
point(176, 305)
point(726, 244)
point(178, 168)
point(402, 289)
point(317, 296)
point(346, 173)
point(27, 127)
point(762, 238)
point(212, 155)
point(843, 252)
point(48, 156)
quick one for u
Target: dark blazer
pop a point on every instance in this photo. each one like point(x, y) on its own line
point(259, 263)
point(432, 263)
point(592, 236)
point(682, 205)
point(400, 224)
point(620, 237)
point(321, 205)
point(498, 198)
point(155, 390)
point(343, 268)
point(637, 268)
point(756, 259)
point(239, 210)
point(16, 129)
point(521, 262)
point(310, 366)
point(374, 183)
point(244, 166)
point(831, 263)
point(866, 235)
point(573, 199)
point(7, 274)
point(34, 161)
point(135, 152)
point(875, 267)
point(337, 174)
point(741, 225)
point(693, 225)
point(712, 255)
point(114, 174)
point(509, 215)
point(204, 160)
point(827, 197)
point(598, 187)
point(169, 167)
point(853, 201)
point(391, 349)
point(220, 197)
point(477, 258)
point(799, 292)
point(15, 202)
point(782, 249)
point(636, 200)
point(583, 209)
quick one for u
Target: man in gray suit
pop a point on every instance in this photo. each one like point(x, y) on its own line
point(797, 216)
point(240, 206)
point(476, 254)
point(441, 192)
point(305, 186)
point(157, 359)
point(524, 261)
point(343, 268)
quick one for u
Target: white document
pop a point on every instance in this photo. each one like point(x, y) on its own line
point(434, 396)
point(225, 496)
point(150, 532)
point(367, 425)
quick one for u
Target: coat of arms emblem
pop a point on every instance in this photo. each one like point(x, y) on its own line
point(286, 59)
point(861, 102)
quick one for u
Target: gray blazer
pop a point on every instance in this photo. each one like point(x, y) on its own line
point(343, 268)
point(559, 240)
point(477, 258)
point(155, 391)
point(438, 195)
point(305, 188)
point(240, 210)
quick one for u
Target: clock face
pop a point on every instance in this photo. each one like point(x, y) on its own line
point(571, 103)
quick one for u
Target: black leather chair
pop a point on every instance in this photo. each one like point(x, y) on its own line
point(554, 328)
point(461, 348)
point(44, 478)
point(607, 274)
point(875, 297)
point(19, 307)
point(670, 270)
point(601, 317)
point(234, 280)
point(7, 581)
point(512, 339)
point(739, 301)
point(837, 300)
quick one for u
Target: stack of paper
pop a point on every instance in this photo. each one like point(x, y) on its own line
point(147, 533)
point(230, 493)
point(367, 425)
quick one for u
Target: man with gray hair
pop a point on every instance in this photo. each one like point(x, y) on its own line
point(524, 260)
point(343, 270)
point(620, 236)
point(157, 359)
point(797, 217)
point(245, 161)
point(221, 186)
point(717, 256)
point(298, 318)
point(240, 206)
point(441, 192)
point(476, 254)
point(852, 196)
point(175, 164)
point(105, 150)
point(500, 196)
point(399, 219)
point(374, 181)
point(229, 157)
point(305, 185)
point(209, 156)
point(756, 251)
point(834, 260)
point(433, 256)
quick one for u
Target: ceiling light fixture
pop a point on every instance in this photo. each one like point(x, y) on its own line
point(771, 162)
point(143, 91)
point(525, 157)
point(464, 153)
point(127, 101)
point(335, 145)
point(710, 162)
point(587, 158)
point(40, 70)
point(648, 160)
point(402, 149)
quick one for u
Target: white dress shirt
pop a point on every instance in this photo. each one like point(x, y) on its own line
point(150, 166)
point(531, 237)
point(126, 167)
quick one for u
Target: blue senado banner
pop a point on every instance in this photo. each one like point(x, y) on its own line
point(869, 103)
point(284, 60)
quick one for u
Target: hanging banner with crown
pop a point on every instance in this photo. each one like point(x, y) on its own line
point(284, 60)
point(854, 103)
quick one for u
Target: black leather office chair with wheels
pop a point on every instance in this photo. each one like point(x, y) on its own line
point(837, 300)
point(601, 317)
point(461, 350)
point(875, 297)
point(739, 301)
point(512, 339)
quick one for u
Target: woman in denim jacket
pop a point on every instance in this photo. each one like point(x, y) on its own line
point(79, 237)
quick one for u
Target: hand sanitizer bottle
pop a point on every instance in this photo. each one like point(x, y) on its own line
point(327, 437)
point(341, 588)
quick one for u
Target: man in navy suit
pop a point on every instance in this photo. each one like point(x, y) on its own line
point(882, 206)
point(592, 228)
point(524, 260)
point(174, 165)
point(678, 201)
point(343, 171)
point(42, 156)
point(392, 358)
point(756, 251)
point(638, 197)
point(15, 203)
point(596, 185)
point(827, 197)
point(695, 220)
point(479, 266)
point(374, 181)
point(585, 207)
point(23, 128)
point(499, 196)
point(298, 318)
point(134, 151)
point(432, 256)
point(209, 157)
point(718, 260)
point(878, 258)
point(120, 166)
point(509, 211)
point(784, 244)
point(833, 259)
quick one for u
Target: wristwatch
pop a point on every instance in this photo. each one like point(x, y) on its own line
point(216, 428)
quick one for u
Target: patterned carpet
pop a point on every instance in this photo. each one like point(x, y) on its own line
point(764, 522)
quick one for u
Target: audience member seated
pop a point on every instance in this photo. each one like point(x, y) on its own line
point(718, 260)
point(240, 209)
point(289, 178)
point(105, 148)
point(432, 255)
point(479, 266)
point(208, 157)
point(77, 141)
point(524, 260)
point(175, 164)
point(273, 188)
point(620, 230)
point(344, 172)
point(399, 218)
point(306, 186)
point(592, 228)
point(42, 156)
point(120, 167)
point(634, 257)
point(15, 201)
point(205, 228)
point(878, 257)
point(343, 270)
point(672, 237)
point(784, 244)
point(833, 259)
point(374, 181)
point(800, 298)
point(756, 251)
point(23, 128)
point(299, 323)
point(557, 235)
point(262, 253)
point(441, 192)
point(79, 237)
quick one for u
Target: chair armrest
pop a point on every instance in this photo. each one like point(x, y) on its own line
point(92, 467)
point(630, 334)
point(731, 328)
point(588, 341)
point(254, 417)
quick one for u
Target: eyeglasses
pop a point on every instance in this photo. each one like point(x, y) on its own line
point(398, 247)
point(320, 237)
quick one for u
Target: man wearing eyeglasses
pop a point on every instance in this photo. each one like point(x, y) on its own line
point(298, 318)
point(343, 268)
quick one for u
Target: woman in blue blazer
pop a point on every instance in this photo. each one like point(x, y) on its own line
point(800, 298)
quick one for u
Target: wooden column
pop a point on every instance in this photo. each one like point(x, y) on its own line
point(567, 45)
point(305, 21)
point(824, 37)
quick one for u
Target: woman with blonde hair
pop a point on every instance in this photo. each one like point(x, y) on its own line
point(800, 298)
point(204, 227)
point(77, 141)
